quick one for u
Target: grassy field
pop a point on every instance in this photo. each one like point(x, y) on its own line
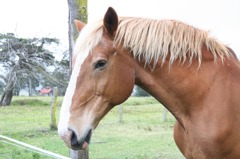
point(142, 134)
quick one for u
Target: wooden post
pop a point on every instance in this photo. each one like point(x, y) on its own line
point(80, 154)
point(120, 114)
point(53, 125)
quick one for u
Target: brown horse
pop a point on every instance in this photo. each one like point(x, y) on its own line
point(196, 77)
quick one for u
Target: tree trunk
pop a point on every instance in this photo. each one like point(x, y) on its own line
point(77, 10)
point(80, 154)
point(53, 124)
point(71, 16)
point(29, 87)
point(6, 98)
point(8, 93)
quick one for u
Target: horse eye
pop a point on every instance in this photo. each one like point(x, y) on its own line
point(100, 64)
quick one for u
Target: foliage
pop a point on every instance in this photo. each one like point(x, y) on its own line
point(82, 11)
point(142, 134)
point(28, 54)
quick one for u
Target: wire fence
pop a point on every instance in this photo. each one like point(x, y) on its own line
point(30, 148)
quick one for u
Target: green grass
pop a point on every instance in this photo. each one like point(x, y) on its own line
point(142, 134)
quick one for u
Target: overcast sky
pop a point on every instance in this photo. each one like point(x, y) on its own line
point(29, 18)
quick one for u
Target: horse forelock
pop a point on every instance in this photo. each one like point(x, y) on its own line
point(153, 40)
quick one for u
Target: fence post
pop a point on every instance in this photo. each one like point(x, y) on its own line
point(79, 154)
point(120, 114)
point(53, 125)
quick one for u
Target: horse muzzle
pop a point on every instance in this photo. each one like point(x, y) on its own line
point(71, 140)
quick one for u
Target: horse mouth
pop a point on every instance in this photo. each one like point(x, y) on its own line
point(83, 143)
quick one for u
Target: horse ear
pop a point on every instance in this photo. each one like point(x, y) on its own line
point(110, 22)
point(79, 25)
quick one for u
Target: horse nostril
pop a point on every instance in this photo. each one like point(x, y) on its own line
point(74, 140)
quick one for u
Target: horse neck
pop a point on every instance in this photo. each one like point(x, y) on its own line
point(179, 87)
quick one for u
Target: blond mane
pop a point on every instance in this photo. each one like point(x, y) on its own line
point(152, 40)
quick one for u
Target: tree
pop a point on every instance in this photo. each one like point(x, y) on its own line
point(23, 60)
point(77, 10)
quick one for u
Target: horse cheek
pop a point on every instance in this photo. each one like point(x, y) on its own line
point(122, 88)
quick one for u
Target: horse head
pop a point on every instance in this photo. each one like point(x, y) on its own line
point(101, 78)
